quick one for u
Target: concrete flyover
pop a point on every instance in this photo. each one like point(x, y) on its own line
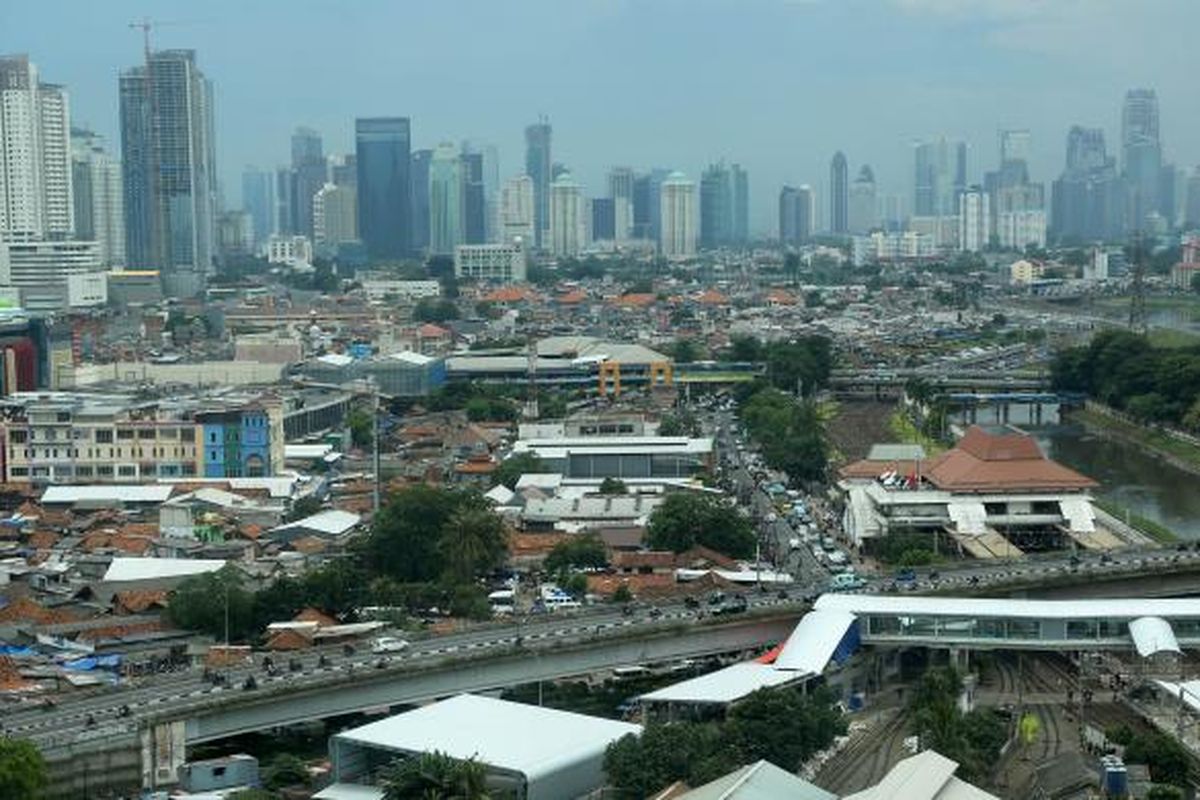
point(120, 755)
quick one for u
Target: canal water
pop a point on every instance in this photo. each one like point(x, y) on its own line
point(1128, 476)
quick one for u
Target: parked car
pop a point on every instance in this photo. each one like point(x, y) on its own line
point(388, 644)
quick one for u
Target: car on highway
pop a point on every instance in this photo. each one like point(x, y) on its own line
point(388, 644)
point(734, 605)
point(905, 575)
point(846, 582)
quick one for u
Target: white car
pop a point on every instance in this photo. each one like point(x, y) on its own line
point(388, 644)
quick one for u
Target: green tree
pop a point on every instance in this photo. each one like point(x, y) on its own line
point(200, 602)
point(745, 348)
point(285, 769)
point(1195, 284)
point(362, 427)
point(684, 520)
point(792, 434)
point(512, 468)
point(430, 309)
point(610, 486)
point(584, 551)
point(684, 351)
point(22, 770)
point(782, 726)
point(680, 423)
point(638, 767)
point(473, 541)
point(304, 507)
point(805, 362)
point(435, 776)
point(405, 541)
point(1164, 792)
point(622, 594)
point(1167, 759)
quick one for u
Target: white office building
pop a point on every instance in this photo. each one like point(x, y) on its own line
point(53, 275)
point(498, 263)
point(1015, 230)
point(293, 251)
point(973, 218)
point(335, 214)
point(567, 231)
point(98, 196)
point(883, 247)
point(677, 207)
point(516, 209)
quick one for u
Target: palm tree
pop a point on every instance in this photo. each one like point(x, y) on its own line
point(435, 776)
point(472, 541)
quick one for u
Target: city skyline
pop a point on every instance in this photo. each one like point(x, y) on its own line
point(1011, 47)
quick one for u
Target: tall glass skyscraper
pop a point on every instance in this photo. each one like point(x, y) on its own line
point(258, 200)
point(312, 170)
point(382, 157)
point(419, 180)
point(474, 199)
point(839, 194)
point(538, 166)
point(1141, 154)
point(724, 205)
point(940, 177)
point(445, 200)
point(169, 167)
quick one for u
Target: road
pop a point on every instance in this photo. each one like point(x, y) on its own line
point(98, 714)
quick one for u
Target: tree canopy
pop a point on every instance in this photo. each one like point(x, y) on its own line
point(435, 776)
point(22, 770)
point(685, 520)
point(611, 486)
point(512, 468)
point(577, 552)
point(1125, 371)
point(790, 432)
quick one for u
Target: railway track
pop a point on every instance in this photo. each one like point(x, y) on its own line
point(857, 764)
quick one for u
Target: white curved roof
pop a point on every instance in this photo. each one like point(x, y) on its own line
point(1153, 635)
point(1117, 608)
point(813, 641)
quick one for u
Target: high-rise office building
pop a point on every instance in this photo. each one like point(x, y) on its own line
point(795, 215)
point(1015, 204)
point(489, 169)
point(1191, 213)
point(419, 182)
point(1141, 154)
point(169, 165)
point(1088, 199)
point(940, 177)
point(539, 167)
point(620, 191)
point(566, 216)
point(839, 194)
point(285, 201)
point(677, 215)
point(35, 155)
point(384, 194)
point(474, 199)
point(445, 200)
point(343, 170)
point(724, 205)
point(258, 200)
point(98, 197)
point(973, 216)
point(604, 219)
point(335, 217)
point(863, 215)
point(516, 210)
point(311, 173)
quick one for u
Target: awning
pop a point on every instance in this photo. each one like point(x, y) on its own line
point(816, 640)
point(1153, 635)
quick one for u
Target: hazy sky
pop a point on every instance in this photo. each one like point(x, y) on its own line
point(777, 85)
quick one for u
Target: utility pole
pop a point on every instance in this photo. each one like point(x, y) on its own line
point(375, 447)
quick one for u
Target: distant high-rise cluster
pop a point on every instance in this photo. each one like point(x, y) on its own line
point(795, 215)
point(724, 206)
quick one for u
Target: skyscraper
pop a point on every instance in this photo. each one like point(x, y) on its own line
point(419, 183)
point(620, 189)
point(973, 216)
point(1191, 212)
point(604, 219)
point(1016, 205)
point(169, 164)
point(863, 215)
point(795, 215)
point(1088, 199)
point(724, 205)
point(99, 202)
point(445, 200)
point(35, 163)
point(538, 166)
point(940, 177)
point(285, 201)
point(1141, 154)
point(566, 216)
point(474, 199)
point(384, 199)
point(335, 217)
point(516, 210)
point(677, 215)
point(258, 200)
point(839, 194)
point(311, 172)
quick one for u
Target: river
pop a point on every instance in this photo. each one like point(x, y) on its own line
point(1128, 476)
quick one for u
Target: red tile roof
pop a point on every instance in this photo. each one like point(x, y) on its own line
point(985, 462)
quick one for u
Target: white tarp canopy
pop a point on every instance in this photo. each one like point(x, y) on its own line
point(813, 642)
point(1080, 515)
point(1153, 635)
point(968, 516)
point(146, 569)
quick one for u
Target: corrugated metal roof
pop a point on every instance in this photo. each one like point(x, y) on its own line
point(516, 737)
point(759, 781)
point(928, 775)
point(725, 685)
point(104, 493)
point(142, 569)
point(333, 522)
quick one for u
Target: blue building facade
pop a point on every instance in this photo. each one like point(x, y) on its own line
point(240, 443)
